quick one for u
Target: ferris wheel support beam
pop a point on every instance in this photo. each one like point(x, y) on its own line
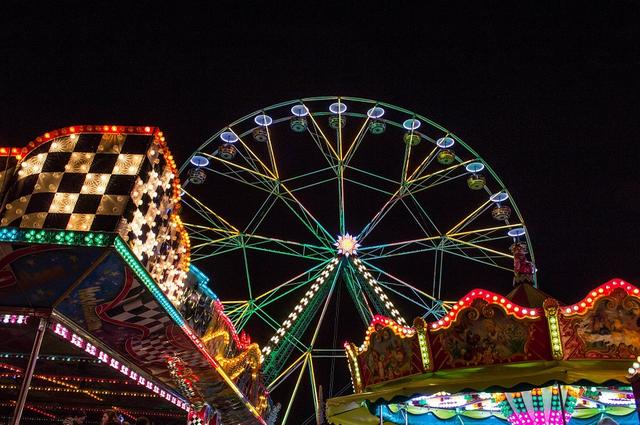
point(278, 355)
point(288, 371)
point(295, 389)
point(312, 343)
point(376, 293)
point(356, 290)
point(292, 340)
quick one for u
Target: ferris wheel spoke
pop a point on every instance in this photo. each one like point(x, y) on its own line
point(482, 260)
point(340, 174)
point(485, 231)
point(272, 157)
point(208, 214)
point(357, 140)
point(479, 247)
point(404, 189)
point(405, 162)
point(305, 217)
point(239, 171)
point(322, 141)
point(469, 218)
point(377, 218)
point(424, 164)
point(368, 186)
point(272, 172)
point(290, 248)
point(420, 179)
point(398, 280)
point(421, 214)
point(414, 246)
point(289, 182)
point(254, 182)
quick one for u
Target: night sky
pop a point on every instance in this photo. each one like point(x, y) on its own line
point(548, 94)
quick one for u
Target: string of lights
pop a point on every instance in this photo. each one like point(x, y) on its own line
point(79, 390)
point(89, 409)
point(384, 299)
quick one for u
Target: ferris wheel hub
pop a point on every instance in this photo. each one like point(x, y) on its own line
point(347, 245)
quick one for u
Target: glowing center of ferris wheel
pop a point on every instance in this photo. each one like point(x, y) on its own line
point(347, 245)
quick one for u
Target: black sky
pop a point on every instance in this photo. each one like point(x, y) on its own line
point(547, 93)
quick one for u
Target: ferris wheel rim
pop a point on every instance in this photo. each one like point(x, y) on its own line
point(376, 103)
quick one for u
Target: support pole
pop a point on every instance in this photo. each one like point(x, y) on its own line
point(564, 420)
point(28, 373)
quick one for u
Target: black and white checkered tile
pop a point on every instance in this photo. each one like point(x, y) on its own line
point(76, 182)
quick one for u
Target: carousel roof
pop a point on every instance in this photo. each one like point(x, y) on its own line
point(488, 343)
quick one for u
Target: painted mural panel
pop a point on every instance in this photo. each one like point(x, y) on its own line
point(610, 329)
point(388, 356)
point(483, 334)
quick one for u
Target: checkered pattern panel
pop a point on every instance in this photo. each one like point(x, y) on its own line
point(151, 228)
point(139, 308)
point(146, 314)
point(76, 182)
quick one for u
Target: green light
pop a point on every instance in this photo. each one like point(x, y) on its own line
point(56, 237)
point(143, 276)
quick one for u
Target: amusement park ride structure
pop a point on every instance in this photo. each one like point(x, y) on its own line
point(419, 196)
point(292, 205)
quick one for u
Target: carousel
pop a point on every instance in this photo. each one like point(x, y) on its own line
point(520, 359)
point(101, 308)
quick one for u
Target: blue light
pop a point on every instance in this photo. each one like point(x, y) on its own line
point(199, 161)
point(229, 137)
point(300, 111)
point(375, 112)
point(499, 197)
point(475, 167)
point(338, 108)
point(263, 120)
point(517, 232)
point(199, 275)
point(412, 124)
point(445, 142)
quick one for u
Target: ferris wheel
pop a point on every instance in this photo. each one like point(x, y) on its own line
point(307, 204)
